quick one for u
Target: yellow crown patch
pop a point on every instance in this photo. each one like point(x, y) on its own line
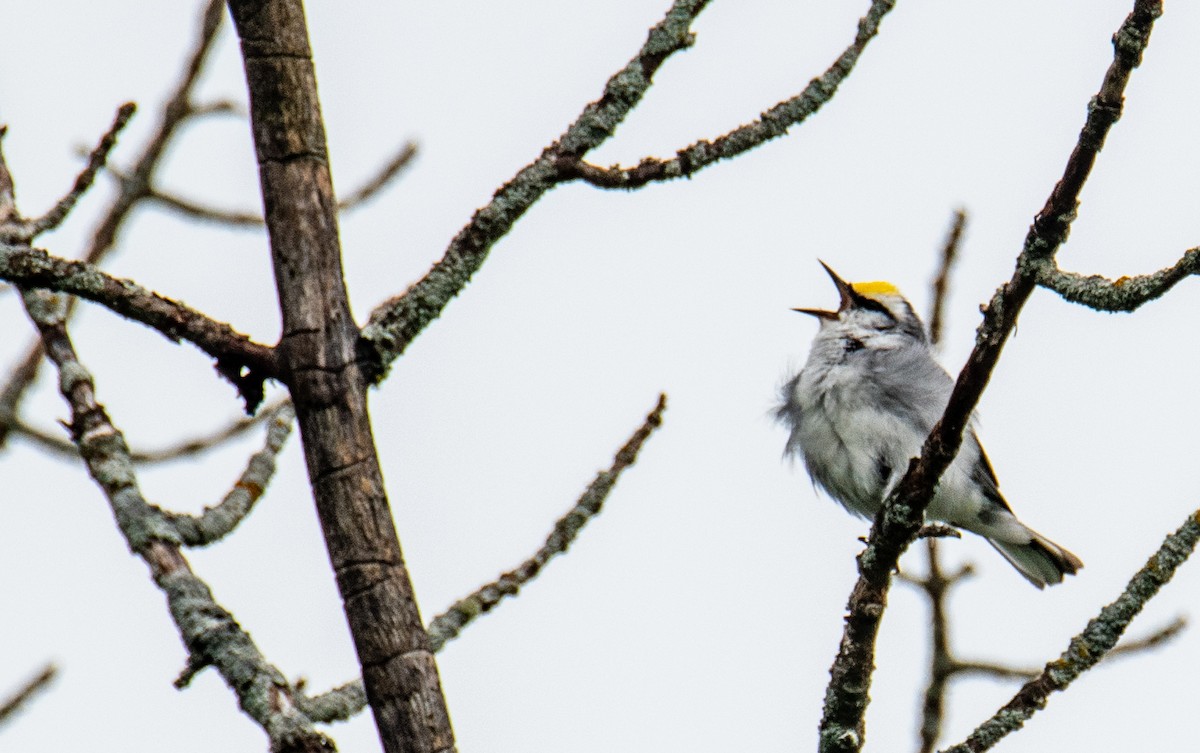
point(875, 288)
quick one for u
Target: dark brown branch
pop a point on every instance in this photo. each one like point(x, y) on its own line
point(1090, 646)
point(394, 324)
point(941, 281)
point(847, 696)
point(942, 665)
point(211, 635)
point(770, 125)
point(320, 366)
point(21, 697)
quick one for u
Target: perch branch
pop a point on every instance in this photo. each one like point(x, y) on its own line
point(842, 727)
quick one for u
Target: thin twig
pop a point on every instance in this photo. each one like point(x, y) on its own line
point(22, 695)
point(1090, 646)
point(219, 521)
point(842, 725)
point(772, 124)
point(181, 449)
point(238, 219)
point(16, 229)
point(941, 281)
point(389, 172)
point(935, 585)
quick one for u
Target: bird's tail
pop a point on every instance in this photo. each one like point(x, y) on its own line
point(1040, 560)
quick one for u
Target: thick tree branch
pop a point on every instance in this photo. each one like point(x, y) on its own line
point(212, 636)
point(842, 727)
point(1090, 646)
point(770, 125)
point(319, 364)
point(394, 324)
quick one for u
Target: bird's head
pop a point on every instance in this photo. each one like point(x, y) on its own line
point(870, 315)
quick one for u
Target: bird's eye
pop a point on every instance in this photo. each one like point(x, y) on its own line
point(851, 344)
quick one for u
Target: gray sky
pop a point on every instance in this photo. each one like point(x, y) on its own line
point(702, 610)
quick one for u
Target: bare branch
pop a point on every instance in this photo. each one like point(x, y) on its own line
point(447, 626)
point(770, 125)
point(336, 705)
point(938, 531)
point(212, 636)
point(34, 268)
point(218, 107)
point(349, 699)
point(390, 170)
point(218, 521)
point(19, 379)
point(96, 162)
point(941, 281)
point(1090, 646)
point(394, 324)
point(34, 685)
point(1151, 641)
point(936, 586)
point(1122, 294)
point(842, 727)
point(16, 229)
point(181, 449)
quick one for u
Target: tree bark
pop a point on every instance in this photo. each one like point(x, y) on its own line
point(317, 361)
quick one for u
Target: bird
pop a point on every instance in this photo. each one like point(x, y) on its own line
point(862, 407)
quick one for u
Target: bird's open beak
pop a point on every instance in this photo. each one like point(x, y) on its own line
point(844, 290)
